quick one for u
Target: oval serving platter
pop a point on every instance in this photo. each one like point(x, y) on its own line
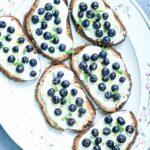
point(20, 114)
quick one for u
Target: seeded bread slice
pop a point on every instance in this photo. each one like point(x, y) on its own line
point(89, 33)
point(106, 104)
point(64, 38)
point(11, 30)
point(48, 107)
point(129, 118)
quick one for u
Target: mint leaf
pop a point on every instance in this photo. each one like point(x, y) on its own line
point(18, 63)
point(71, 51)
point(119, 72)
point(86, 78)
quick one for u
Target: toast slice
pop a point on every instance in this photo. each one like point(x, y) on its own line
point(96, 22)
point(47, 24)
point(18, 59)
point(117, 131)
point(104, 75)
point(62, 100)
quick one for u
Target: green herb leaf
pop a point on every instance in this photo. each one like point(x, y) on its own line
point(71, 51)
point(18, 63)
point(119, 72)
point(79, 21)
point(86, 78)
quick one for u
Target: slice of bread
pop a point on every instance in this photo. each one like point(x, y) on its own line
point(96, 22)
point(18, 59)
point(47, 24)
point(104, 75)
point(117, 131)
point(63, 107)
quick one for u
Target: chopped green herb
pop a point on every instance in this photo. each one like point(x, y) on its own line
point(86, 78)
point(18, 63)
point(41, 19)
point(119, 72)
point(24, 51)
point(80, 21)
point(87, 29)
point(71, 51)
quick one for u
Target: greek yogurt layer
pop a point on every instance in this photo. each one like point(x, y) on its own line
point(18, 58)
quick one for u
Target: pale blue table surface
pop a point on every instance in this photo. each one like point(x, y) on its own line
point(6, 143)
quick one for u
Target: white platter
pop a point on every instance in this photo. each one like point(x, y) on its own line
point(20, 114)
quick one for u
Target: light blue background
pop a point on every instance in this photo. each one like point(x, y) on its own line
point(6, 143)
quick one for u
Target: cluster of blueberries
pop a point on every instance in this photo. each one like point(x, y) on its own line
point(106, 74)
point(15, 50)
point(49, 12)
point(63, 92)
point(121, 138)
point(97, 20)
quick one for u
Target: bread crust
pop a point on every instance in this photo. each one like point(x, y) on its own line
point(78, 137)
point(27, 28)
point(43, 105)
point(79, 49)
point(82, 33)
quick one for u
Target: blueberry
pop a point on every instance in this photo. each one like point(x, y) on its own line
point(98, 140)
point(86, 23)
point(47, 35)
point(59, 30)
point(98, 17)
point(44, 46)
point(72, 107)
point(39, 31)
point(103, 54)
point(2, 24)
point(56, 81)
point(21, 40)
point(110, 143)
point(116, 97)
point(115, 129)
point(55, 40)
point(62, 101)
point(106, 41)
point(11, 59)
point(94, 5)
point(83, 6)
point(62, 47)
point(11, 29)
point(44, 25)
point(116, 148)
point(8, 38)
point(94, 57)
point(86, 142)
point(33, 62)
point(99, 33)
point(60, 74)
point(63, 92)
point(116, 66)
point(35, 19)
point(48, 6)
point(48, 16)
point(82, 110)
point(1, 45)
point(115, 87)
point(102, 87)
point(51, 92)
point(105, 16)
point(130, 129)
point(112, 75)
point(5, 49)
point(41, 11)
point(55, 99)
point(51, 49)
point(108, 95)
point(97, 147)
point(105, 61)
point(86, 57)
point(57, 20)
point(29, 48)
point(25, 60)
point(83, 65)
point(105, 71)
point(65, 84)
point(80, 14)
point(33, 73)
point(121, 138)
point(56, 2)
point(105, 78)
point(57, 111)
point(56, 13)
point(71, 122)
point(111, 33)
point(90, 14)
point(107, 25)
point(15, 49)
point(93, 78)
point(121, 120)
point(79, 101)
point(93, 66)
point(74, 92)
point(96, 25)
point(95, 132)
point(20, 69)
point(106, 131)
point(108, 119)
point(122, 79)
